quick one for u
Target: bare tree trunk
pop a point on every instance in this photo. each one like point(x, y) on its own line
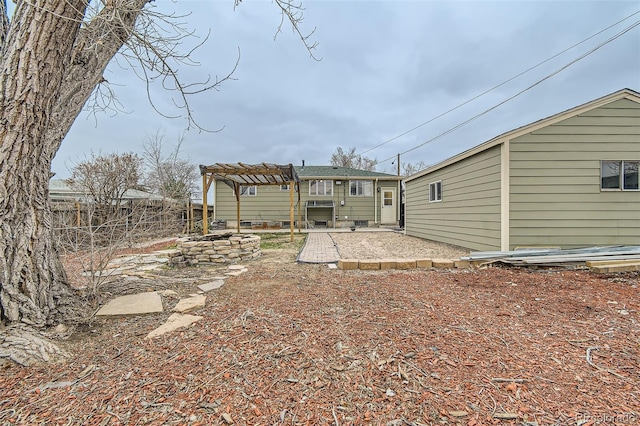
point(38, 105)
point(4, 22)
point(97, 43)
point(32, 56)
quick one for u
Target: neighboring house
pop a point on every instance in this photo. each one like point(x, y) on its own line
point(60, 190)
point(71, 207)
point(329, 197)
point(569, 180)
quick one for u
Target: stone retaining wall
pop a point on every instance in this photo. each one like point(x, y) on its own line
point(235, 248)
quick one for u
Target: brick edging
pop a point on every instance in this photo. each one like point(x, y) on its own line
point(386, 264)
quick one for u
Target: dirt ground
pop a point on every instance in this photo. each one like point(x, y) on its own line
point(301, 344)
point(392, 245)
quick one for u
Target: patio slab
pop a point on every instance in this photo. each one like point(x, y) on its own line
point(132, 304)
point(174, 322)
point(213, 285)
point(191, 303)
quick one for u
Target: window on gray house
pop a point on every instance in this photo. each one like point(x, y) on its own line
point(619, 175)
point(362, 188)
point(435, 191)
point(248, 190)
point(321, 187)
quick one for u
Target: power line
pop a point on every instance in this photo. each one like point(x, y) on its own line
point(499, 85)
point(562, 68)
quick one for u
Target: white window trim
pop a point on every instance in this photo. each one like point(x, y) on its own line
point(433, 198)
point(620, 176)
point(362, 187)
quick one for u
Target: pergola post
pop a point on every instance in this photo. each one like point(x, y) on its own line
point(291, 189)
point(190, 216)
point(299, 213)
point(236, 190)
point(205, 206)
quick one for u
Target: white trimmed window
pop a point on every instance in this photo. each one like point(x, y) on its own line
point(619, 175)
point(284, 187)
point(361, 188)
point(435, 191)
point(321, 187)
point(248, 190)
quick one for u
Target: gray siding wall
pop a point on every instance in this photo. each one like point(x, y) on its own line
point(469, 213)
point(273, 204)
point(555, 197)
point(270, 204)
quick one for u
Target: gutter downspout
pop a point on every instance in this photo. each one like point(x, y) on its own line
point(399, 183)
point(375, 202)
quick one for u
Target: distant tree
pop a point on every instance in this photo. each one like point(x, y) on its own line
point(110, 220)
point(166, 173)
point(408, 169)
point(352, 160)
point(105, 179)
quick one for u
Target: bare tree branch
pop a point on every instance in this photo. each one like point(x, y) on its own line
point(411, 168)
point(105, 179)
point(159, 64)
point(149, 43)
point(293, 12)
point(167, 174)
point(98, 40)
point(352, 160)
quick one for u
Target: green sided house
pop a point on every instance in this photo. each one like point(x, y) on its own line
point(569, 180)
point(330, 197)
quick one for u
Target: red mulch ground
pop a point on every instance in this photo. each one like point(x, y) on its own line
point(305, 345)
point(75, 263)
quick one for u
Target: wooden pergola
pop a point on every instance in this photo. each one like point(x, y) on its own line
point(238, 175)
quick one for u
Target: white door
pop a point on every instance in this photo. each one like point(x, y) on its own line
point(388, 206)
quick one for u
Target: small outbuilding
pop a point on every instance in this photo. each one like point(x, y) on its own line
point(569, 180)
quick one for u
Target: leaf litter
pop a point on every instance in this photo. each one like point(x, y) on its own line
point(306, 345)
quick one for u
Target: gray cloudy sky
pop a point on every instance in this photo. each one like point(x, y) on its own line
point(387, 66)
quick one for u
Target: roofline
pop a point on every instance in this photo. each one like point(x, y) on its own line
point(632, 95)
point(351, 177)
point(361, 173)
point(70, 193)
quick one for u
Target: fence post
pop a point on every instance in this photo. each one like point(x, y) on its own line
point(78, 219)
